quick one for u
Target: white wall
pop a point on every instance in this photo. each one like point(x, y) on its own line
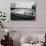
point(40, 17)
point(26, 26)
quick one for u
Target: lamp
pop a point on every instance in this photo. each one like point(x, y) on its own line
point(7, 31)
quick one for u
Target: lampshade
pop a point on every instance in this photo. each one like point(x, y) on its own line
point(7, 30)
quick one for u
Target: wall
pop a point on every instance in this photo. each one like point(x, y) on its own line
point(25, 26)
point(40, 17)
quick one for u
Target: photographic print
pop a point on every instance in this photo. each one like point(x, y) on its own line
point(23, 11)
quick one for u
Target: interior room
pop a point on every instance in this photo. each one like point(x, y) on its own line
point(22, 23)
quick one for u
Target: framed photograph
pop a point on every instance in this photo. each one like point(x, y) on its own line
point(23, 11)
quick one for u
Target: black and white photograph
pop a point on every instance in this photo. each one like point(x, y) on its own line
point(23, 11)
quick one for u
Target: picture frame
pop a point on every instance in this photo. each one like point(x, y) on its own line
point(23, 11)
